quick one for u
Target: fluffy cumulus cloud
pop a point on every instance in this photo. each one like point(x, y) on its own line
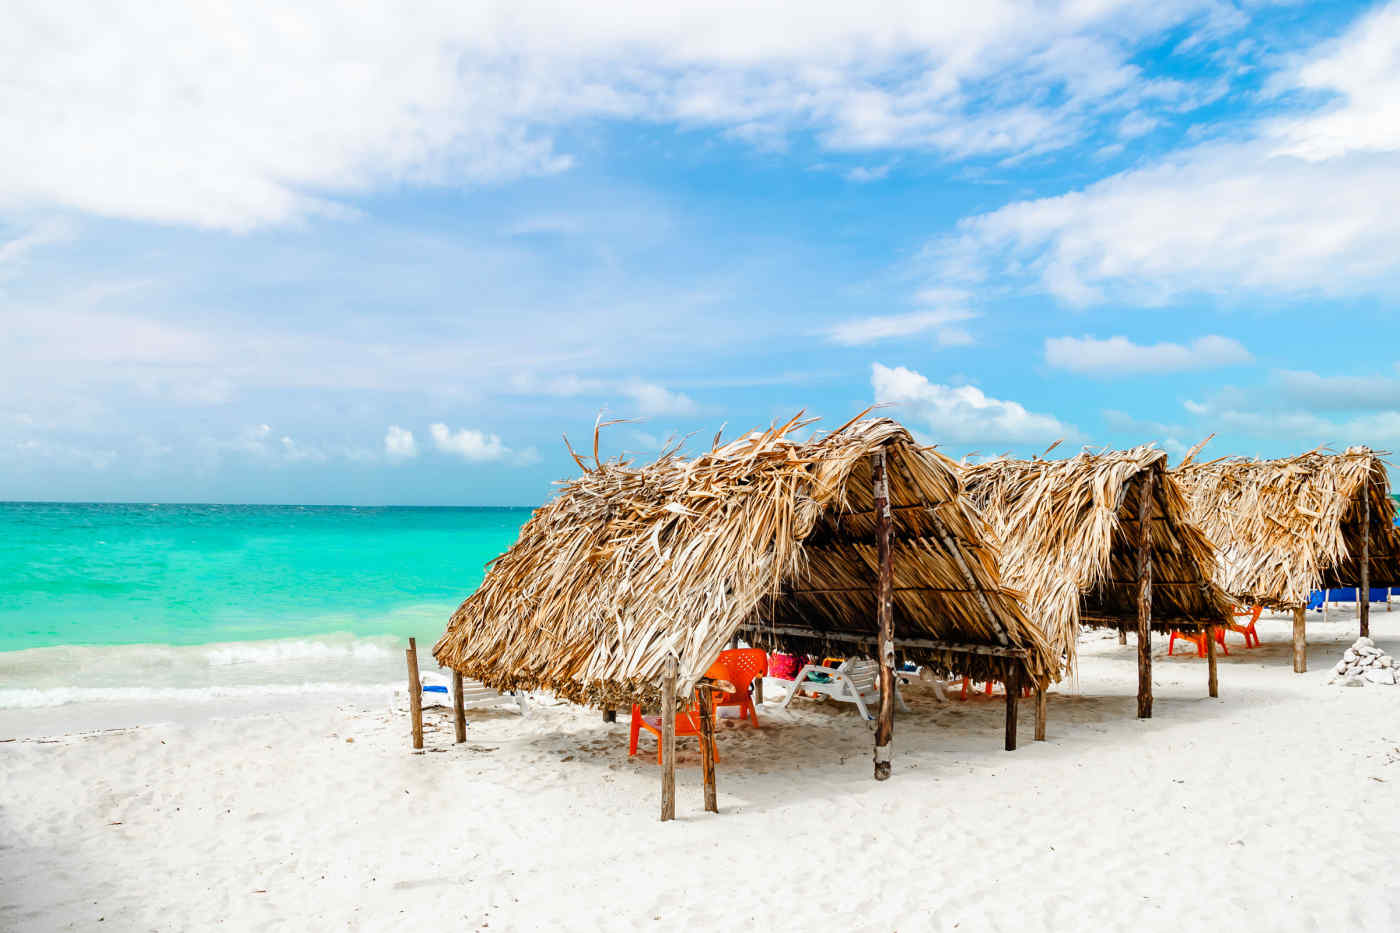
point(399, 444)
point(1308, 203)
point(963, 414)
point(1116, 356)
point(652, 399)
point(862, 331)
point(469, 444)
point(1309, 408)
point(261, 117)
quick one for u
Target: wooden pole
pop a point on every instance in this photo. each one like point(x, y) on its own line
point(1144, 602)
point(415, 694)
point(668, 739)
point(1013, 694)
point(459, 708)
point(707, 747)
point(609, 715)
point(1300, 640)
point(884, 608)
point(1122, 634)
point(1212, 678)
point(1040, 712)
point(1363, 593)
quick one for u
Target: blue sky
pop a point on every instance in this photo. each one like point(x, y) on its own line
point(345, 255)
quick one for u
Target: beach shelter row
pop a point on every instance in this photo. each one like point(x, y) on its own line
point(630, 582)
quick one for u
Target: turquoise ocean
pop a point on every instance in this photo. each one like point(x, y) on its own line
point(173, 603)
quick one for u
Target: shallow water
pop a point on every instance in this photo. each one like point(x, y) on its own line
point(125, 602)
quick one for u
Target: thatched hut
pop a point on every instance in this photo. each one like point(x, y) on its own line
point(631, 570)
point(1286, 527)
point(1072, 538)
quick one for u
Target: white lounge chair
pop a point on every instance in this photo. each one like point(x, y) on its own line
point(475, 694)
point(855, 681)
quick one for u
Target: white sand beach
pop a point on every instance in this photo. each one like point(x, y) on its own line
point(1275, 807)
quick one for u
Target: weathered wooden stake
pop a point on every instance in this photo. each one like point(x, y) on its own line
point(1013, 694)
point(1212, 678)
point(1300, 640)
point(415, 694)
point(1040, 713)
point(1122, 634)
point(758, 690)
point(884, 609)
point(609, 715)
point(1144, 607)
point(668, 739)
point(459, 708)
point(707, 747)
point(1363, 593)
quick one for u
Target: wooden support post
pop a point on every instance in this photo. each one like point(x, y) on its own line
point(1363, 593)
point(415, 694)
point(1122, 634)
point(1300, 640)
point(1144, 601)
point(668, 739)
point(1212, 678)
point(707, 747)
point(1013, 694)
point(609, 715)
point(1040, 712)
point(459, 708)
point(758, 690)
point(884, 608)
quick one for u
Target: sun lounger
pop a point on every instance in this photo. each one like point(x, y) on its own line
point(854, 681)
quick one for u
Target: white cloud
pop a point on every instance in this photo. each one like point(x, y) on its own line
point(652, 399)
point(863, 174)
point(469, 444)
point(862, 331)
point(1339, 393)
point(1309, 204)
point(260, 118)
point(17, 248)
point(963, 414)
point(399, 443)
point(1120, 356)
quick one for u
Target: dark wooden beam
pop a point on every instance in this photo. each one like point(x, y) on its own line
point(1363, 592)
point(934, 644)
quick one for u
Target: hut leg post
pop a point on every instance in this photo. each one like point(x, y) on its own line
point(1300, 640)
point(459, 709)
point(707, 748)
point(668, 740)
point(1122, 635)
point(884, 606)
point(415, 694)
point(1013, 694)
point(609, 715)
point(1040, 712)
point(1144, 601)
point(1363, 593)
point(1212, 678)
point(758, 690)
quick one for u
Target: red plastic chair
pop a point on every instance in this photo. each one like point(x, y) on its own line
point(1199, 640)
point(687, 721)
point(744, 666)
point(1251, 637)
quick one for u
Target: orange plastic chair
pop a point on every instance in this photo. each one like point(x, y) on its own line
point(1199, 640)
point(1251, 637)
point(687, 721)
point(744, 666)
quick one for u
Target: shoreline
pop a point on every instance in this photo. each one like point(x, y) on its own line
point(1273, 805)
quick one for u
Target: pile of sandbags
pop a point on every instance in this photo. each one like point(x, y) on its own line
point(1364, 663)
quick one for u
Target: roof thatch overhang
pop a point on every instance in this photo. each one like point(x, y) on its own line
point(766, 537)
point(1068, 531)
point(1286, 527)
